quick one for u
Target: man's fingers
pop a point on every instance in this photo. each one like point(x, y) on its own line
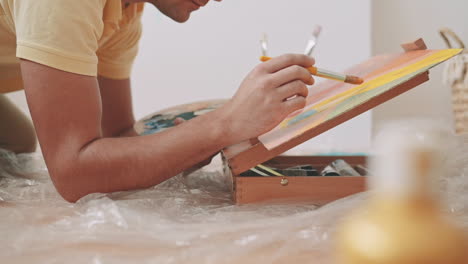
point(294, 104)
point(287, 60)
point(290, 74)
point(293, 88)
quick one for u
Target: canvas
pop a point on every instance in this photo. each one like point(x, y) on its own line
point(331, 99)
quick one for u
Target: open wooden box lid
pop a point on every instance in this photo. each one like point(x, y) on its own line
point(332, 103)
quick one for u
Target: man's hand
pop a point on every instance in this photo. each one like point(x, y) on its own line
point(272, 91)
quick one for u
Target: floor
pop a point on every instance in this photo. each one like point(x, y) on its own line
point(186, 219)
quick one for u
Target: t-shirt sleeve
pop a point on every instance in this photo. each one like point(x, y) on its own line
point(62, 34)
point(116, 55)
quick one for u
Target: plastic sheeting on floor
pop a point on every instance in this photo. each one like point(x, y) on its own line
point(187, 219)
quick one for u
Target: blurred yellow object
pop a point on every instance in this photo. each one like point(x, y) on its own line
point(402, 223)
point(406, 231)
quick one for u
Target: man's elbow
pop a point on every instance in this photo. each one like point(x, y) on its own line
point(69, 194)
point(70, 197)
point(68, 187)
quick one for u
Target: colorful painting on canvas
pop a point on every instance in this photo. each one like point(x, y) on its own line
point(332, 99)
point(164, 119)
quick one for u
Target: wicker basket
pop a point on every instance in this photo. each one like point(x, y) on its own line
point(456, 77)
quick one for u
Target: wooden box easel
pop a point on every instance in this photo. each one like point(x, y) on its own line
point(318, 190)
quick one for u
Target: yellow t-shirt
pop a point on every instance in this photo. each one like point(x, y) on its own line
point(88, 37)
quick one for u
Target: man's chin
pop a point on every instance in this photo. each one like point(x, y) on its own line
point(181, 17)
point(176, 15)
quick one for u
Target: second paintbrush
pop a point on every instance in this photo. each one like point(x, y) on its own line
point(328, 74)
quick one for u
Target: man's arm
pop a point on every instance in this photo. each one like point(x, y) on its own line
point(117, 111)
point(67, 112)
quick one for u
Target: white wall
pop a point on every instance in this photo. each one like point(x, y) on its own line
point(398, 21)
point(208, 56)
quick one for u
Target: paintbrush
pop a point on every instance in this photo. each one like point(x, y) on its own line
point(328, 74)
point(264, 44)
point(312, 40)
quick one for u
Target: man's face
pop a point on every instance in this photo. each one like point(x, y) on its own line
point(179, 10)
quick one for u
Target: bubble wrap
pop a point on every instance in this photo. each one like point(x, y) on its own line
point(187, 219)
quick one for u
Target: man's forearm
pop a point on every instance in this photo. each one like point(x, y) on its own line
point(118, 164)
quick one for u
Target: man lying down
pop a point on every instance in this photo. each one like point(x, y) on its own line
point(74, 58)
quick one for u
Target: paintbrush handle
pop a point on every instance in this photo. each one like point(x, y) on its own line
point(327, 74)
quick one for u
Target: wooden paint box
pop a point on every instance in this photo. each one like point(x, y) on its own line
point(292, 189)
point(386, 77)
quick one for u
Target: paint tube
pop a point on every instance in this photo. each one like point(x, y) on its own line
point(343, 168)
point(330, 171)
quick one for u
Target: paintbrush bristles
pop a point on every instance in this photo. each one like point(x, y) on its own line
point(264, 44)
point(313, 40)
point(353, 79)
